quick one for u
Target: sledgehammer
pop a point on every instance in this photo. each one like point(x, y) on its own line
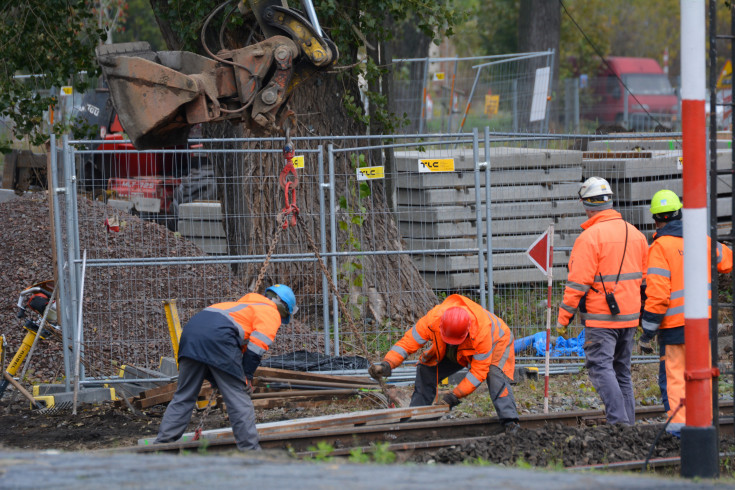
point(20, 388)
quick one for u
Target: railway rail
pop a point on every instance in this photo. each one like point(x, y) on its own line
point(409, 436)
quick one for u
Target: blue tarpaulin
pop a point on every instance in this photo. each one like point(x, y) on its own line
point(559, 347)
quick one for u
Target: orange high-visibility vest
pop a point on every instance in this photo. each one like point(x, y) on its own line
point(489, 343)
point(596, 259)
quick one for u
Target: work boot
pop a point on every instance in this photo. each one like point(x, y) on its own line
point(511, 427)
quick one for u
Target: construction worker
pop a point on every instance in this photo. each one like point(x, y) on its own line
point(462, 334)
point(224, 344)
point(664, 304)
point(607, 268)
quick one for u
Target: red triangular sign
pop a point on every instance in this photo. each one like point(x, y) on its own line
point(539, 252)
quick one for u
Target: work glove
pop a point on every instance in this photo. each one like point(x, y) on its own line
point(249, 386)
point(379, 370)
point(644, 343)
point(561, 330)
point(448, 398)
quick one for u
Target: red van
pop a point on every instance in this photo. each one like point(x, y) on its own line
point(649, 101)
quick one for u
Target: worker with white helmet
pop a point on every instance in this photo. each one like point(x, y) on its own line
point(607, 268)
point(663, 313)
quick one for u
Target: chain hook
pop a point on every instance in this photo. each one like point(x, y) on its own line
point(290, 211)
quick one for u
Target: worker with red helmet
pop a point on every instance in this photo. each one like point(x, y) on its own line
point(663, 313)
point(224, 344)
point(607, 268)
point(458, 333)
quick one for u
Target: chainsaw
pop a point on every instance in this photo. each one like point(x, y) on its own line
point(35, 298)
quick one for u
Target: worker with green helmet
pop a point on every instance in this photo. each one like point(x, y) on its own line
point(663, 313)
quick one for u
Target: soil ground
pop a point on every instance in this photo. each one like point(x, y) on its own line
point(105, 426)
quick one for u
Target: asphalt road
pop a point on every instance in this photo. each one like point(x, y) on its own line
point(90, 470)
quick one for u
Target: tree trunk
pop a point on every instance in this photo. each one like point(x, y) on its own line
point(250, 208)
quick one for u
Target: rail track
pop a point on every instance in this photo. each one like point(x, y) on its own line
point(417, 436)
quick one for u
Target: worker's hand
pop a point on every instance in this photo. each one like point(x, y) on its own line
point(644, 343)
point(448, 398)
point(248, 386)
point(379, 370)
point(562, 330)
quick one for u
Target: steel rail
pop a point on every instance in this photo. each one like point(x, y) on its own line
point(405, 435)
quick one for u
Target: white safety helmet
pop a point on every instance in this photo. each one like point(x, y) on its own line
point(596, 193)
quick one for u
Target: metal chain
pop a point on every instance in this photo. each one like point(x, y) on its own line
point(200, 427)
point(271, 248)
point(343, 308)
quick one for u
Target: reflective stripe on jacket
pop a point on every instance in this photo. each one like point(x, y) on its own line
point(489, 343)
point(220, 333)
point(598, 251)
point(664, 306)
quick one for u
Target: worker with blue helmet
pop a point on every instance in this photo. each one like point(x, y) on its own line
point(224, 344)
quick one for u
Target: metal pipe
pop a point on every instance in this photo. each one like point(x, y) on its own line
point(478, 217)
point(323, 243)
point(69, 197)
point(311, 13)
point(63, 299)
point(78, 351)
point(489, 225)
point(333, 244)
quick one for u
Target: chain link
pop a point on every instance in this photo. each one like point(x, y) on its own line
point(280, 219)
point(343, 308)
point(200, 427)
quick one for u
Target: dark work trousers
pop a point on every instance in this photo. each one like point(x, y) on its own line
point(239, 406)
point(427, 378)
point(608, 352)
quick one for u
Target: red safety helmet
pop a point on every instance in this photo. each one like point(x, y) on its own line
point(455, 325)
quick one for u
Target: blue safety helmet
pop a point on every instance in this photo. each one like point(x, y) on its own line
point(286, 295)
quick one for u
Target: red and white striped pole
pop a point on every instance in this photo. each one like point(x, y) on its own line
point(699, 451)
point(549, 284)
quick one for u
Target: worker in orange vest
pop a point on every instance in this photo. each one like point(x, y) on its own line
point(224, 344)
point(607, 268)
point(663, 313)
point(460, 334)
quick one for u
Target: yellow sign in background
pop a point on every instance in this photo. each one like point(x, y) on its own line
point(491, 104)
point(298, 161)
point(369, 173)
point(436, 165)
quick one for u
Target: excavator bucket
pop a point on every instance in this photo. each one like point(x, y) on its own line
point(148, 96)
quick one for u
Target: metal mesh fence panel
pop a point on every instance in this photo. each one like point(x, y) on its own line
point(399, 223)
point(504, 93)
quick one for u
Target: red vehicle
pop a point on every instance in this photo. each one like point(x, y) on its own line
point(148, 180)
point(650, 99)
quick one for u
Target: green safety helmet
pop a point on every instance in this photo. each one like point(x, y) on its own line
point(665, 205)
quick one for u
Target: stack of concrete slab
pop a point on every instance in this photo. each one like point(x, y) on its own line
point(201, 222)
point(638, 168)
point(529, 190)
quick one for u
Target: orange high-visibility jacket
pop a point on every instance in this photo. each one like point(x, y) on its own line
point(490, 342)
point(665, 280)
point(218, 335)
point(258, 319)
point(596, 256)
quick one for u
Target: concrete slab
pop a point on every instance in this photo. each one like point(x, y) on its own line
point(503, 177)
point(512, 210)
point(201, 210)
point(201, 228)
point(464, 280)
point(500, 157)
point(500, 227)
point(525, 193)
point(7, 195)
point(212, 246)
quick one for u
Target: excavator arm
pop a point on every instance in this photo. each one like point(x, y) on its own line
point(159, 95)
